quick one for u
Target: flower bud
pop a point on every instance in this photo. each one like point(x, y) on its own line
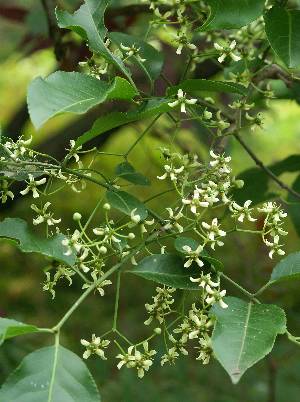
point(239, 183)
point(106, 206)
point(103, 250)
point(157, 331)
point(131, 236)
point(77, 216)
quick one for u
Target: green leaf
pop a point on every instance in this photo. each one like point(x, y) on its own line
point(231, 14)
point(245, 333)
point(167, 269)
point(51, 374)
point(11, 328)
point(293, 208)
point(283, 32)
point(182, 241)
point(126, 203)
point(88, 22)
point(196, 85)
point(154, 59)
point(63, 92)
point(127, 172)
point(116, 119)
point(288, 268)
point(28, 242)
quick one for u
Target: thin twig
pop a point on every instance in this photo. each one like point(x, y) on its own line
point(260, 164)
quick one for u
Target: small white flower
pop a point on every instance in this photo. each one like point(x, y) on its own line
point(32, 186)
point(172, 172)
point(275, 246)
point(193, 255)
point(214, 233)
point(240, 212)
point(182, 101)
point(132, 50)
point(44, 215)
point(95, 346)
point(227, 51)
point(215, 296)
point(72, 243)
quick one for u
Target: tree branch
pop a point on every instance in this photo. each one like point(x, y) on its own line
point(260, 164)
point(54, 31)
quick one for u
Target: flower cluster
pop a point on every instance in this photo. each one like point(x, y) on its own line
point(134, 358)
point(273, 227)
point(161, 305)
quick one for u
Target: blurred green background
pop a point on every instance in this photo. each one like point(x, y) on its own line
point(25, 53)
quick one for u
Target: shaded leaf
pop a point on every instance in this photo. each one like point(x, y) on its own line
point(28, 242)
point(229, 14)
point(126, 203)
point(127, 172)
point(196, 85)
point(283, 32)
point(117, 119)
point(88, 22)
point(245, 333)
point(167, 269)
point(11, 328)
point(288, 268)
point(293, 208)
point(51, 374)
point(63, 92)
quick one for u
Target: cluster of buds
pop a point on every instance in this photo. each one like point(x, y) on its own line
point(195, 326)
point(161, 305)
point(17, 150)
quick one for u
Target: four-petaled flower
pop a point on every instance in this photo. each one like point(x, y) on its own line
point(193, 255)
point(182, 101)
point(95, 346)
point(32, 186)
point(227, 51)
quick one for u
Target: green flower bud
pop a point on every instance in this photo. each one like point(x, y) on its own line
point(77, 216)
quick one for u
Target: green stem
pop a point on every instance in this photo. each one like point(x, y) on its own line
point(117, 301)
point(148, 128)
point(241, 289)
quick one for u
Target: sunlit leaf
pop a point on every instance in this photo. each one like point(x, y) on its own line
point(63, 92)
point(245, 333)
